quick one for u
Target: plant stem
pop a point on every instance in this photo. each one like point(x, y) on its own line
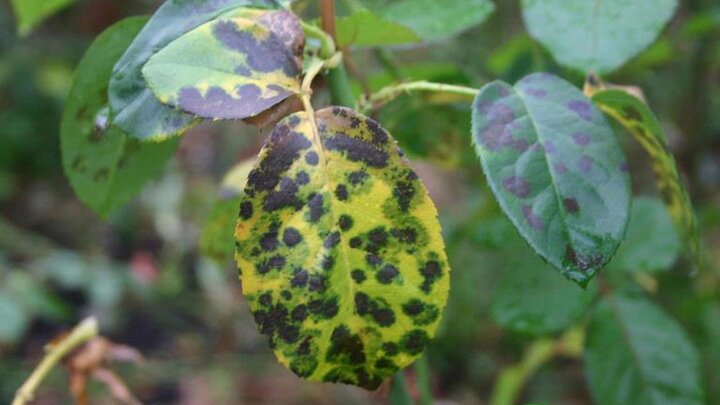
point(337, 78)
point(512, 379)
point(389, 93)
point(327, 44)
point(83, 332)
point(422, 378)
point(399, 394)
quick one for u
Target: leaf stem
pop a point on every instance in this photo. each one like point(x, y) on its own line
point(399, 393)
point(422, 378)
point(83, 332)
point(387, 94)
point(327, 44)
point(512, 379)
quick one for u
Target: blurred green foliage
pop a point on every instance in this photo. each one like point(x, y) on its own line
point(141, 271)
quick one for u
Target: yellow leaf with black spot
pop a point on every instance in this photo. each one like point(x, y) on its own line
point(637, 118)
point(234, 67)
point(340, 250)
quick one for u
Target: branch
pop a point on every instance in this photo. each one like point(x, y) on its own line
point(83, 332)
point(388, 94)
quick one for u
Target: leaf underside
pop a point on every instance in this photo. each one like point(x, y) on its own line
point(557, 170)
point(229, 68)
point(596, 36)
point(135, 109)
point(637, 118)
point(105, 167)
point(340, 251)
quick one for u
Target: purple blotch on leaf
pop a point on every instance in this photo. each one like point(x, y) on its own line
point(535, 92)
point(581, 108)
point(581, 138)
point(216, 103)
point(517, 186)
point(586, 163)
point(497, 132)
point(262, 56)
point(559, 168)
point(624, 167)
point(533, 220)
point(571, 205)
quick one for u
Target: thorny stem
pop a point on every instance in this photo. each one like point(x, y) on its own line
point(389, 93)
point(83, 332)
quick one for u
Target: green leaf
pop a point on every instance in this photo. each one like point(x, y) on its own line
point(363, 28)
point(635, 354)
point(30, 13)
point(135, 110)
point(15, 320)
point(598, 35)
point(637, 118)
point(217, 239)
point(534, 299)
point(557, 170)
point(340, 250)
point(229, 68)
point(105, 168)
point(651, 243)
point(435, 20)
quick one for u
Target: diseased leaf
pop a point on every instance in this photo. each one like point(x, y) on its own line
point(598, 35)
point(435, 20)
point(341, 254)
point(651, 242)
point(229, 68)
point(635, 354)
point(533, 299)
point(363, 28)
point(217, 239)
point(135, 110)
point(105, 168)
point(30, 13)
point(637, 118)
point(557, 170)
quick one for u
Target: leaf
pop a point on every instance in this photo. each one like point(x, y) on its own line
point(135, 110)
point(533, 299)
point(637, 118)
point(340, 250)
point(651, 243)
point(30, 13)
point(15, 321)
point(229, 68)
point(557, 170)
point(635, 354)
point(217, 239)
point(105, 168)
point(599, 35)
point(435, 20)
point(363, 28)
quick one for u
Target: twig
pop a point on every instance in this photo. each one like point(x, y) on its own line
point(83, 332)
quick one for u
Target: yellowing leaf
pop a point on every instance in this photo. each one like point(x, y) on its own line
point(637, 118)
point(229, 68)
point(340, 250)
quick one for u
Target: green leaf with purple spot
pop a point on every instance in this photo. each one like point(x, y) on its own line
point(229, 68)
point(135, 110)
point(105, 167)
point(557, 170)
